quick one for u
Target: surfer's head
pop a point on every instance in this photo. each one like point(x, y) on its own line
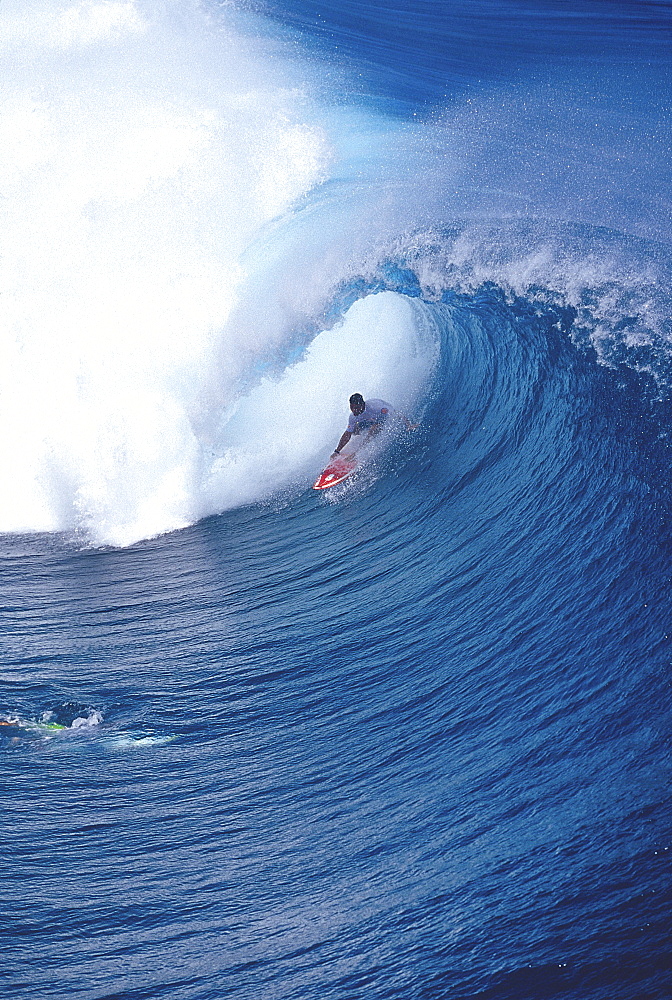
point(357, 403)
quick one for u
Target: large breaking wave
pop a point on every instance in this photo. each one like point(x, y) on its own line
point(202, 258)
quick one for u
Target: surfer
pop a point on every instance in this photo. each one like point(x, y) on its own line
point(368, 416)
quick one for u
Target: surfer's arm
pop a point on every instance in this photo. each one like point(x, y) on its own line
point(409, 425)
point(345, 437)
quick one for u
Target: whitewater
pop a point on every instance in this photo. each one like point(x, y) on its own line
point(146, 203)
point(409, 738)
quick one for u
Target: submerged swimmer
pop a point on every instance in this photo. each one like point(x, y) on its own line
point(89, 726)
point(46, 725)
point(369, 416)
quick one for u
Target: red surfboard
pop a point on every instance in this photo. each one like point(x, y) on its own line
point(337, 470)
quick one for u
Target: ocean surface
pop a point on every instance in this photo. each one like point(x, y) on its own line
point(409, 738)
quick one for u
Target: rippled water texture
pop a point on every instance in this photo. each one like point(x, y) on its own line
point(409, 737)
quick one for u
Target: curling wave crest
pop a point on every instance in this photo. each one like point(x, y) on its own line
point(194, 253)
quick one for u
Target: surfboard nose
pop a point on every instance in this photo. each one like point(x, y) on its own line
point(335, 472)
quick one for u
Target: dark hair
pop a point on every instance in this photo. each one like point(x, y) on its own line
point(357, 399)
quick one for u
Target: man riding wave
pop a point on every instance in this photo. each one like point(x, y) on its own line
point(369, 417)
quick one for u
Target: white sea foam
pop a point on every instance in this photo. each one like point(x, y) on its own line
point(124, 741)
point(90, 721)
point(70, 25)
point(149, 156)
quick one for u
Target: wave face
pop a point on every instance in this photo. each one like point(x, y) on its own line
point(408, 738)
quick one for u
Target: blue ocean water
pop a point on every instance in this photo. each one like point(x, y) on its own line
point(409, 738)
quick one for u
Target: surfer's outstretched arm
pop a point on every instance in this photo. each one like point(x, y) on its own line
point(345, 437)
